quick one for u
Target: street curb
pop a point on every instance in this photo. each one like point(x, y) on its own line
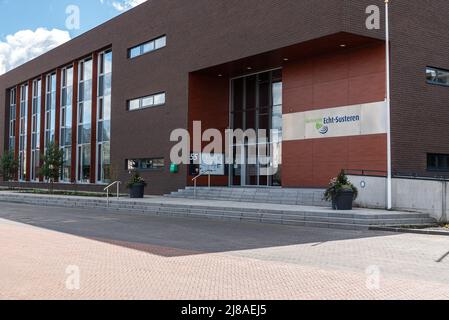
point(413, 231)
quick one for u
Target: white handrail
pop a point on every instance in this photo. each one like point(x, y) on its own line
point(208, 172)
point(118, 183)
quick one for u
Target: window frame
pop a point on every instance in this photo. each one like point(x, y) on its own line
point(140, 47)
point(437, 70)
point(437, 168)
point(141, 160)
point(141, 99)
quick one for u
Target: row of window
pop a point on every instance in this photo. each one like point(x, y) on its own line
point(147, 102)
point(145, 164)
point(147, 47)
point(83, 146)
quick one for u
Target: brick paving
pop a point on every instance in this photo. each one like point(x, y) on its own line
point(129, 256)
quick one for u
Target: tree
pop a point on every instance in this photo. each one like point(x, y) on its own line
point(8, 166)
point(52, 162)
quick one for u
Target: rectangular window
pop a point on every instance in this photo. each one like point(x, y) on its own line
point(50, 109)
point(35, 129)
point(23, 132)
point(438, 162)
point(437, 76)
point(104, 171)
point(84, 120)
point(147, 47)
point(12, 119)
point(147, 102)
point(145, 164)
point(66, 122)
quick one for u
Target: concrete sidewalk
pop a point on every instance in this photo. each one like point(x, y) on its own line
point(119, 255)
point(233, 211)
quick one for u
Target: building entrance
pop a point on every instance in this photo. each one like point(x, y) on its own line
point(257, 104)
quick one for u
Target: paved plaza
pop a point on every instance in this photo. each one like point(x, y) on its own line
point(61, 253)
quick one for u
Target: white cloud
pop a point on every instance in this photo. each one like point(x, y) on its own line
point(25, 45)
point(124, 5)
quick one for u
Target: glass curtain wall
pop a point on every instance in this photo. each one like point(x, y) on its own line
point(257, 104)
point(104, 117)
point(12, 119)
point(66, 122)
point(50, 109)
point(84, 120)
point(35, 129)
point(23, 132)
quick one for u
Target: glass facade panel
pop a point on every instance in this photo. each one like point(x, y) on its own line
point(50, 109)
point(257, 104)
point(23, 130)
point(66, 122)
point(12, 119)
point(35, 130)
point(85, 68)
point(104, 117)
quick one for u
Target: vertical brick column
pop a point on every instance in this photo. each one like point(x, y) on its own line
point(28, 124)
point(42, 124)
point(74, 121)
point(93, 142)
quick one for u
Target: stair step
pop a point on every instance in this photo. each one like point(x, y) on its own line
point(297, 217)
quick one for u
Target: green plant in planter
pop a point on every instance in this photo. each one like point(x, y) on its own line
point(136, 179)
point(340, 184)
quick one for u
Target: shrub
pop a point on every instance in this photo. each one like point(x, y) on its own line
point(136, 178)
point(338, 184)
point(8, 166)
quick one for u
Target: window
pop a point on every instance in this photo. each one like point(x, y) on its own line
point(147, 47)
point(147, 102)
point(145, 164)
point(50, 109)
point(437, 76)
point(104, 117)
point(12, 119)
point(35, 129)
point(438, 162)
point(23, 130)
point(66, 122)
point(84, 132)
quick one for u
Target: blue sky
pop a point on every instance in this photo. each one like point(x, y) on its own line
point(28, 28)
point(17, 15)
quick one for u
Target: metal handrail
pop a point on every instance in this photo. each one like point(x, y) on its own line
point(208, 172)
point(118, 183)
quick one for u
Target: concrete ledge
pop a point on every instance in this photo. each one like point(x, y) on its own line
point(413, 231)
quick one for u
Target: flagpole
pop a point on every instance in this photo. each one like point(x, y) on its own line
point(389, 162)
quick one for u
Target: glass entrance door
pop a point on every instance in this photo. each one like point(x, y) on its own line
point(257, 105)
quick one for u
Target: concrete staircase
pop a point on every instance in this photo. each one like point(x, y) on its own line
point(303, 197)
point(293, 215)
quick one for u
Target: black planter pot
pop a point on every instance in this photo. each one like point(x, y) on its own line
point(137, 191)
point(343, 200)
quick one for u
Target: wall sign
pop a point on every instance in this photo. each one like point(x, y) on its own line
point(355, 120)
point(206, 162)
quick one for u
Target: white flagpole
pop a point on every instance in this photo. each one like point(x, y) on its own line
point(389, 165)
